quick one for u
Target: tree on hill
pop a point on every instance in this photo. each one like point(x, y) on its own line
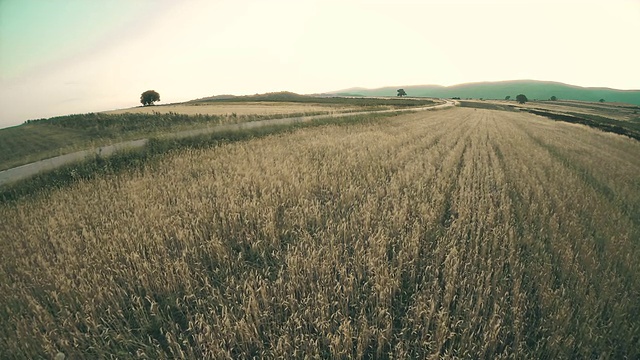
point(401, 93)
point(507, 97)
point(522, 98)
point(149, 97)
point(553, 98)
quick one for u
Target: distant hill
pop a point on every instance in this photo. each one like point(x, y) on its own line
point(540, 90)
point(272, 96)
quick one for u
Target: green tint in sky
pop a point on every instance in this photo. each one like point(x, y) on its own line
point(92, 55)
point(35, 33)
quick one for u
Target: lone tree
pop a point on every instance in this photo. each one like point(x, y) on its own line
point(149, 97)
point(553, 98)
point(507, 97)
point(522, 98)
point(401, 93)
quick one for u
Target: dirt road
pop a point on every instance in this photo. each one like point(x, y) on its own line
point(25, 171)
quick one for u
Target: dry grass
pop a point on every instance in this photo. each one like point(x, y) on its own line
point(461, 233)
point(243, 108)
point(609, 110)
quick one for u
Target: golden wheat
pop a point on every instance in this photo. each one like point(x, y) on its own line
point(460, 233)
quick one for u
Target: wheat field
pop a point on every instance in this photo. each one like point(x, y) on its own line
point(240, 109)
point(460, 233)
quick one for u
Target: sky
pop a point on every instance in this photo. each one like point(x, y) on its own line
point(59, 57)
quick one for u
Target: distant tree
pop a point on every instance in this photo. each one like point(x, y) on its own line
point(149, 97)
point(601, 100)
point(553, 98)
point(401, 93)
point(521, 99)
point(507, 97)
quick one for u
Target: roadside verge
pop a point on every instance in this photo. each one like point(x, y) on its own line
point(24, 179)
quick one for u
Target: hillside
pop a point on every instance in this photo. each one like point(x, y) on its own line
point(541, 90)
point(45, 138)
point(290, 97)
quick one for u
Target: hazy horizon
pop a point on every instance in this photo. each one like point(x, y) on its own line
point(60, 57)
point(487, 82)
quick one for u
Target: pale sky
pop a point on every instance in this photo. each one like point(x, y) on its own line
point(73, 56)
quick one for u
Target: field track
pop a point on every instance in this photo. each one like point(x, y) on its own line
point(25, 171)
point(465, 233)
point(243, 108)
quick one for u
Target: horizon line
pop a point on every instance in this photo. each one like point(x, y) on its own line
point(486, 82)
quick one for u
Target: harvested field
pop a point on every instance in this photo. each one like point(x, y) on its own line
point(243, 108)
point(622, 112)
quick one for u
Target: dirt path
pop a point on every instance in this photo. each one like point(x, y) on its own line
point(25, 171)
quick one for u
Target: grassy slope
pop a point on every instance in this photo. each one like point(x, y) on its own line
point(45, 138)
point(293, 97)
point(40, 139)
point(157, 147)
point(31, 142)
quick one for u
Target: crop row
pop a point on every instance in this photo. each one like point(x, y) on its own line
point(460, 233)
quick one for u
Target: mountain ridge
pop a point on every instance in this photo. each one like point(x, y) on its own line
point(533, 89)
